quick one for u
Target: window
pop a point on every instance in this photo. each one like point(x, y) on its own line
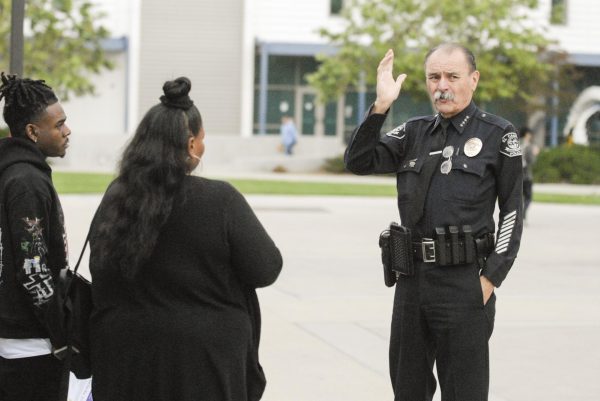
point(335, 6)
point(558, 13)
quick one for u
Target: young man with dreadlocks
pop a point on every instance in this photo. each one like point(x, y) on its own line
point(33, 245)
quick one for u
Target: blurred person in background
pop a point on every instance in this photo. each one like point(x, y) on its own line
point(530, 153)
point(175, 261)
point(289, 134)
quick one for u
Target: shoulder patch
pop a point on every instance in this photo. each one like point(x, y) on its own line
point(398, 132)
point(510, 145)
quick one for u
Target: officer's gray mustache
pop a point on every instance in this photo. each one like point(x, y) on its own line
point(439, 95)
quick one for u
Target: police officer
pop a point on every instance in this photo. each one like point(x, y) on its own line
point(451, 168)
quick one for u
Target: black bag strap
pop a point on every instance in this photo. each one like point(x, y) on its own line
point(85, 244)
point(64, 385)
point(87, 240)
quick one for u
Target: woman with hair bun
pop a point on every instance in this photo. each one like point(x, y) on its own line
point(175, 261)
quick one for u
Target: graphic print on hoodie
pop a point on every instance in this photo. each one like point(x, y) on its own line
point(39, 278)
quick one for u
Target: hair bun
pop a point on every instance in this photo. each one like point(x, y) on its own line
point(176, 94)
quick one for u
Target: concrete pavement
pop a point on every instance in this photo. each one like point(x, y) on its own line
point(326, 320)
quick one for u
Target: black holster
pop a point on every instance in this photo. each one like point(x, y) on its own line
point(396, 253)
point(483, 247)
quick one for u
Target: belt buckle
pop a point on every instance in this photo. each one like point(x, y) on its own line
point(428, 249)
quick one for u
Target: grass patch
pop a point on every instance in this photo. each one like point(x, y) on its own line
point(81, 183)
point(269, 187)
point(567, 199)
point(91, 183)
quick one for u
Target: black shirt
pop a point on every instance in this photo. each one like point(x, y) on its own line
point(485, 166)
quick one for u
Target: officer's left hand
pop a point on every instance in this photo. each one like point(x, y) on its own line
point(487, 288)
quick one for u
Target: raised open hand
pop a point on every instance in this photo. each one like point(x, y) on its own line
point(388, 89)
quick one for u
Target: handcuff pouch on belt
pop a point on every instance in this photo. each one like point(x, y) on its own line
point(454, 245)
point(396, 253)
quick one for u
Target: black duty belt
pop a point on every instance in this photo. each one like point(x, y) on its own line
point(451, 246)
point(460, 251)
point(424, 250)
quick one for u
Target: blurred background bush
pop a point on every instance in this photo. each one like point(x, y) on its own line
point(335, 165)
point(574, 164)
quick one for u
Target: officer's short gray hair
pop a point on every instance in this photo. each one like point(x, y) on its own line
point(449, 47)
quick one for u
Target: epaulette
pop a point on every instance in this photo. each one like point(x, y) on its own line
point(399, 131)
point(422, 118)
point(493, 119)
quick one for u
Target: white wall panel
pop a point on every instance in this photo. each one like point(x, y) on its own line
point(293, 20)
point(200, 39)
point(581, 33)
point(117, 17)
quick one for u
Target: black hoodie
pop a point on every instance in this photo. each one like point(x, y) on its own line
point(33, 243)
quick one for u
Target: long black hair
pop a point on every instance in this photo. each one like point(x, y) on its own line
point(25, 101)
point(152, 169)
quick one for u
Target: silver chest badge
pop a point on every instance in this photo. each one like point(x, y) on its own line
point(473, 147)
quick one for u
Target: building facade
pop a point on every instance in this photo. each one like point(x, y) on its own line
point(248, 62)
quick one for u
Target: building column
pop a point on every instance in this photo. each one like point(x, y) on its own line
point(133, 68)
point(247, 71)
point(263, 89)
point(340, 118)
point(554, 118)
point(362, 98)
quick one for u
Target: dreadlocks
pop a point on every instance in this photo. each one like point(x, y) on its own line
point(25, 101)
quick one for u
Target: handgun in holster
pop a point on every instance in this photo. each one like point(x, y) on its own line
point(396, 253)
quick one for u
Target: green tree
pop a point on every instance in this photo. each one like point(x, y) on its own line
point(62, 43)
point(514, 57)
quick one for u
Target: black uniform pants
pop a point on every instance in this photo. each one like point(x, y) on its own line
point(439, 317)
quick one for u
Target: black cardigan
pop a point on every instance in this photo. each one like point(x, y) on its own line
point(188, 327)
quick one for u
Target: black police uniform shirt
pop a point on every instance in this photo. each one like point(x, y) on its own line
point(485, 166)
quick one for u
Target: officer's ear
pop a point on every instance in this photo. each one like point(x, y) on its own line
point(31, 132)
point(474, 80)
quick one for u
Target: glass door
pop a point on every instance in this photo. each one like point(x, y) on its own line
point(306, 110)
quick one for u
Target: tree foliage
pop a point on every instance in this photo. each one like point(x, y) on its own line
point(513, 55)
point(62, 43)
